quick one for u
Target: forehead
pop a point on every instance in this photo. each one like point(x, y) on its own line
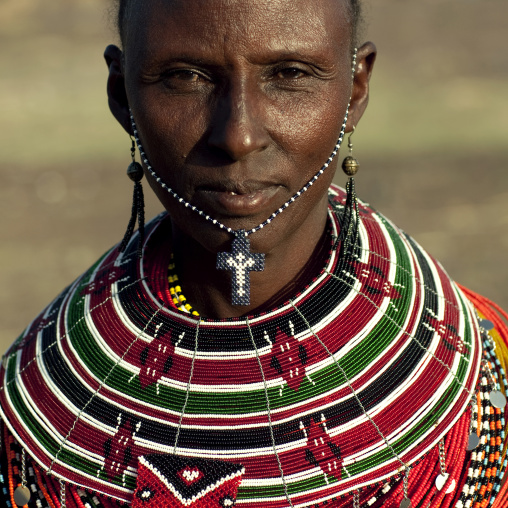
point(216, 24)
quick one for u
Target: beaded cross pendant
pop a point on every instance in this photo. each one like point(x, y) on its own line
point(240, 262)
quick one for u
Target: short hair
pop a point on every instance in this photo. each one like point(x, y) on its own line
point(123, 9)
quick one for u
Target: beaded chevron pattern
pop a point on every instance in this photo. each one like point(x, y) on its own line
point(313, 404)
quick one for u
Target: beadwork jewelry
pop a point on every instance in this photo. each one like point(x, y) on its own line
point(62, 494)
point(163, 382)
point(135, 173)
point(473, 440)
point(406, 502)
point(241, 260)
point(175, 290)
point(491, 484)
point(356, 499)
point(441, 480)
point(22, 493)
point(497, 398)
point(350, 165)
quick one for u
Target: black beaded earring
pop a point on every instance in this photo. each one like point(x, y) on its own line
point(135, 173)
point(349, 232)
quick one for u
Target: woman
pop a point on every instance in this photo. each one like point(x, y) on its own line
point(319, 357)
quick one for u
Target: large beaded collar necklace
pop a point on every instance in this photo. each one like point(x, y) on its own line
point(241, 260)
point(296, 407)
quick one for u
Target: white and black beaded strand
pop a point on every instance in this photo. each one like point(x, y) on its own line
point(489, 347)
point(491, 460)
point(473, 440)
point(486, 464)
point(470, 488)
point(384, 490)
point(496, 396)
point(241, 261)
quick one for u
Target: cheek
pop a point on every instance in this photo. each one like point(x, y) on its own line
point(169, 128)
point(302, 127)
point(308, 132)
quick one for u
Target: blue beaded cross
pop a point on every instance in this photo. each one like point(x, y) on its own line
point(240, 262)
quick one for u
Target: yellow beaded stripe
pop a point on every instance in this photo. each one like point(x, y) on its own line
point(176, 291)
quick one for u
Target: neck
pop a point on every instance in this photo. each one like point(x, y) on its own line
point(290, 264)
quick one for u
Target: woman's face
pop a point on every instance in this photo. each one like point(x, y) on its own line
point(238, 103)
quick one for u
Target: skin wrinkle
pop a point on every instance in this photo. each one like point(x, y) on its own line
point(262, 106)
point(125, 12)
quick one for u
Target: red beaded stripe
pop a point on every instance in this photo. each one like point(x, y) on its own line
point(116, 327)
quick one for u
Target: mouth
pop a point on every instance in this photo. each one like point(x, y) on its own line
point(239, 200)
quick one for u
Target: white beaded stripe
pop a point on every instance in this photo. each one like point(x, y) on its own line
point(274, 214)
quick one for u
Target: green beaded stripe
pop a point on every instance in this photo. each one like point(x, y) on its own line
point(40, 434)
point(327, 379)
point(324, 380)
point(170, 398)
point(89, 467)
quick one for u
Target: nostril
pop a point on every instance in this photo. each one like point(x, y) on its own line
point(238, 141)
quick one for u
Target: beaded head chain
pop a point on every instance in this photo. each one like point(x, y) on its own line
point(240, 261)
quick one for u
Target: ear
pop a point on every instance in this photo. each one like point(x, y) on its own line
point(365, 59)
point(117, 97)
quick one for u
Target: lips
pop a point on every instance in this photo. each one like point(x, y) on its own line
point(239, 200)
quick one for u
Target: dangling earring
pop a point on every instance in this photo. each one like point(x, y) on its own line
point(350, 165)
point(135, 173)
point(349, 233)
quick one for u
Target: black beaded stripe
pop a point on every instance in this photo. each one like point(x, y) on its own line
point(226, 439)
point(316, 308)
point(331, 294)
point(337, 415)
point(49, 316)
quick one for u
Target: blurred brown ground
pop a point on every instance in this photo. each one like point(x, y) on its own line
point(433, 144)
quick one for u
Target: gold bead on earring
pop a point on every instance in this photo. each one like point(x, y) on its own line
point(350, 165)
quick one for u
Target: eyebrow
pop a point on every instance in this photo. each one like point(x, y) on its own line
point(267, 57)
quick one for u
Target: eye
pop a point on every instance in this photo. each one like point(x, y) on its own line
point(290, 73)
point(185, 75)
point(183, 78)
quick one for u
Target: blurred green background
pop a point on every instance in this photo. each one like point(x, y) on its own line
point(433, 144)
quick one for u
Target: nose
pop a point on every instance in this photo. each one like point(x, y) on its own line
point(237, 127)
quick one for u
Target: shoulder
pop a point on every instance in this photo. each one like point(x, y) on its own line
point(110, 268)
